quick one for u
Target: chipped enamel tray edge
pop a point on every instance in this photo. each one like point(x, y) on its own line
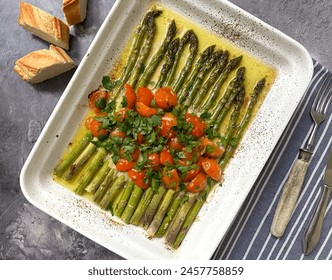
point(294, 67)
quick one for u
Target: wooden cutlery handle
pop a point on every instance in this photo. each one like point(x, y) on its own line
point(289, 196)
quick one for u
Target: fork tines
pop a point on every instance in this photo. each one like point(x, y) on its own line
point(324, 95)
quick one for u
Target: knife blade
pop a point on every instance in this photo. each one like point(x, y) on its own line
point(313, 232)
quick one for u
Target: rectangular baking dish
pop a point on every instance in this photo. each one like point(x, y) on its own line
point(294, 69)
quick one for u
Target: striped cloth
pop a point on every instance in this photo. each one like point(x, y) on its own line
point(249, 237)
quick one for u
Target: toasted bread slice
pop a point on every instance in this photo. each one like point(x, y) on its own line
point(74, 11)
point(44, 64)
point(44, 25)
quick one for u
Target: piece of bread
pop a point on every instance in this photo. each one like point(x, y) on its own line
point(44, 64)
point(44, 25)
point(74, 10)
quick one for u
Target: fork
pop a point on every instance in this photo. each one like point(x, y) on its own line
point(292, 188)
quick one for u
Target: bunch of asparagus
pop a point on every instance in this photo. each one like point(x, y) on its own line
point(165, 212)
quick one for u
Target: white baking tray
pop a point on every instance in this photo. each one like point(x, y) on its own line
point(294, 68)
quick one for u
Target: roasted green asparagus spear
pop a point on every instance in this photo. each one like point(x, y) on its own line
point(158, 56)
point(222, 107)
point(193, 41)
point(126, 193)
point(160, 214)
point(182, 93)
point(208, 65)
point(112, 192)
point(153, 206)
point(182, 43)
point(220, 66)
point(234, 141)
point(77, 165)
point(238, 102)
point(178, 220)
point(193, 212)
point(214, 92)
point(99, 178)
point(132, 204)
point(169, 62)
point(135, 50)
point(144, 52)
point(66, 161)
point(98, 196)
point(90, 170)
point(173, 208)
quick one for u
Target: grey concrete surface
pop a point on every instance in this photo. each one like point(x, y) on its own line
point(306, 21)
point(25, 231)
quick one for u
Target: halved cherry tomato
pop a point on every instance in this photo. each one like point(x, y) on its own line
point(165, 98)
point(122, 114)
point(94, 126)
point(166, 157)
point(130, 96)
point(88, 122)
point(168, 120)
point(138, 177)
point(124, 165)
point(118, 133)
point(140, 138)
point(134, 155)
point(144, 95)
point(145, 111)
point(188, 158)
point(154, 160)
point(174, 144)
point(198, 183)
point(171, 179)
point(211, 149)
point(98, 100)
point(211, 168)
point(198, 125)
point(192, 173)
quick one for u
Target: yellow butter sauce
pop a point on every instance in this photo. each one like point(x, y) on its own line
point(255, 68)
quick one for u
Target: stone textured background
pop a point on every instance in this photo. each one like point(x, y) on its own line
point(307, 21)
point(25, 231)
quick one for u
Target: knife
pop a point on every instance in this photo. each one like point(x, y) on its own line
point(313, 232)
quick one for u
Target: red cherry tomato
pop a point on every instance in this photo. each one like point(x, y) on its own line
point(165, 98)
point(211, 149)
point(171, 179)
point(188, 158)
point(88, 122)
point(198, 183)
point(98, 99)
point(144, 95)
point(154, 160)
point(168, 120)
point(198, 125)
point(192, 173)
point(174, 144)
point(94, 126)
point(138, 177)
point(130, 96)
point(145, 111)
point(122, 114)
point(166, 157)
point(140, 138)
point(211, 168)
point(124, 165)
point(118, 133)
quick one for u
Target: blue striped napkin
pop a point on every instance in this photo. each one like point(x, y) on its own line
point(249, 237)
